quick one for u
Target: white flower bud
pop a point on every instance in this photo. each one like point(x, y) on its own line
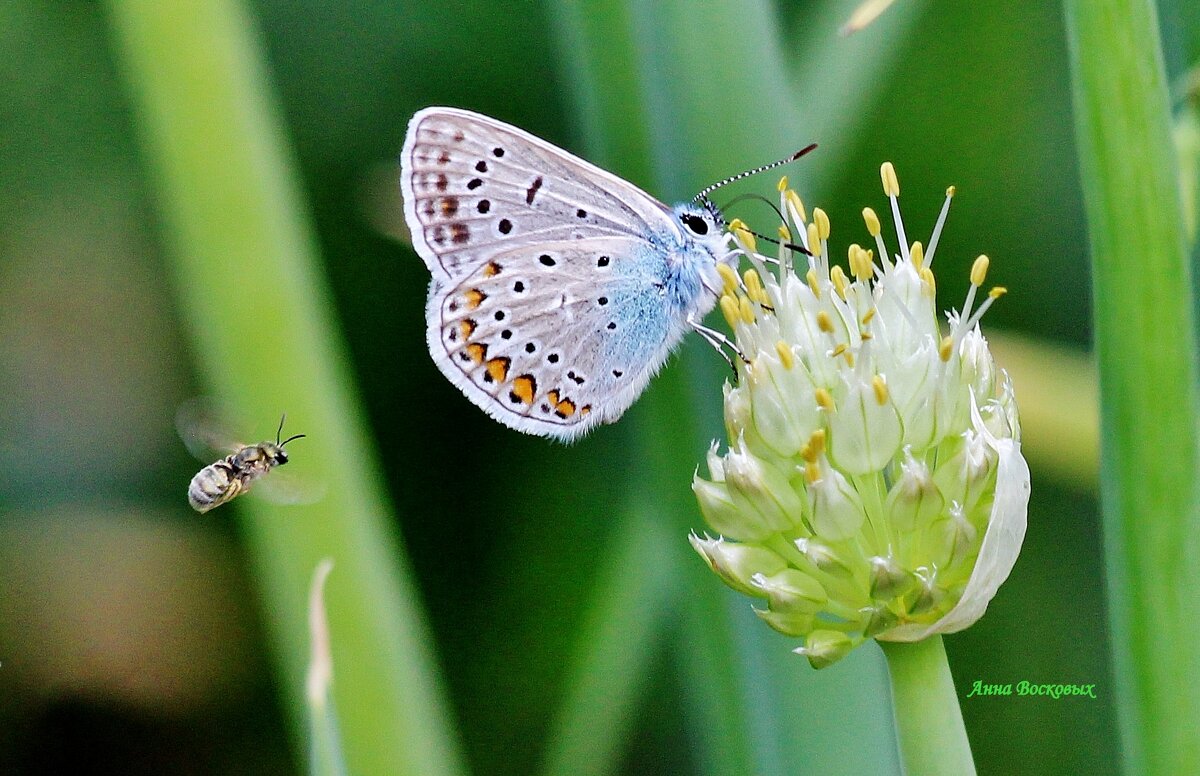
point(837, 509)
point(825, 647)
point(739, 564)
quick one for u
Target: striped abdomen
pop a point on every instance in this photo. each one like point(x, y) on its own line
point(213, 486)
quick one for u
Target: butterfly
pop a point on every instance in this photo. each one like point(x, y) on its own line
point(558, 289)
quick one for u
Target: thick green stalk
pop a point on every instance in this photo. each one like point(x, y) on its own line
point(929, 724)
point(249, 286)
point(1146, 348)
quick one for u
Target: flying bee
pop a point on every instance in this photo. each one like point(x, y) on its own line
point(233, 475)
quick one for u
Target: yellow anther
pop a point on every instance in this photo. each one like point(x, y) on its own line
point(838, 276)
point(979, 270)
point(785, 234)
point(728, 277)
point(946, 348)
point(729, 308)
point(743, 234)
point(881, 389)
point(870, 315)
point(810, 277)
point(813, 448)
point(812, 474)
point(891, 184)
point(951, 191)
point(866, 265)
point(747, 309)
point(824, 322)
point(822, 222)
point(849, 356)
point(797, 204)
point(753, 282)
point(997, 292)
point(926, 274)
point(816, 442)
point(814, 239)
point(783, 184)
point(865, 335)
point(872, 221)
point(839, 350)
point(917, 252)
point(785, 354)
point(857, 257)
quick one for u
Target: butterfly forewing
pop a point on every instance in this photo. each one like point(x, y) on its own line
point(498, 333)
point(473, 186)
point(558, 289)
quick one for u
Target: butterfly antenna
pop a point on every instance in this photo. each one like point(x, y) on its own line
point(770, 204)
point(702, 197)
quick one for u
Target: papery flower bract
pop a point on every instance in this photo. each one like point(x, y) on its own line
point(874, 485)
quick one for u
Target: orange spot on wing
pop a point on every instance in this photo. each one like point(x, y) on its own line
point(498, 368)
point(564, 408)
point(553, 396)
point(474, 298)
point(524, 387)
point(585, 409)
point(477, 352)
point(467, 327)
point(491, 270)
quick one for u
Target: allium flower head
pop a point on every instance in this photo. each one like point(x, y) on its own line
point(873, 485)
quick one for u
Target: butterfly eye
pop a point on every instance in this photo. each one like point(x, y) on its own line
point(696, 224)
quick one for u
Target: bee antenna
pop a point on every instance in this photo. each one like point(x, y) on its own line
point(279, 431)
point(289, 439)
point(702, 197)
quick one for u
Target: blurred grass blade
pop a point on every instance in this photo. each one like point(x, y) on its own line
point(1186, 134)
point(654, 86)
point(615, 648)
point(1145, 342)
point(249, 286)
point(1060, 426)
point(325, 746)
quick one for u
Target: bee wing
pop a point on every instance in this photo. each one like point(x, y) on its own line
point(205, 427)
point(288, 488)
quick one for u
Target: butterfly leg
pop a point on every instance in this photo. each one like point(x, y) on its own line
point(719, 342)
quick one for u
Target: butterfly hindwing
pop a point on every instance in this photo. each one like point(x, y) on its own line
point(473, 186)
point(558, 289)
point(498, 332)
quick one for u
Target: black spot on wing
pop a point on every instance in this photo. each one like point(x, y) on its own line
point(532, 191)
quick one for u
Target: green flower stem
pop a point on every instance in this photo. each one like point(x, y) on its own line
point(929, 724)
point(1146, 348)
point(249, 287)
